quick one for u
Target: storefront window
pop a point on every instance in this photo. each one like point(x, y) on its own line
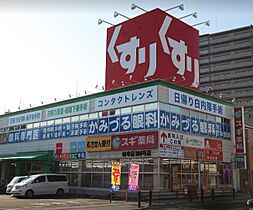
point(85, 180)
point(107, 180)
point(139, 108)
point(97, 180)
point(93, 116)
point(124, 181)
point(50, 122)
point(126, 110)
point(153, 106)
point(28, 126)
point(58, 122)
point(165, 107)
point(74, 165)
point(124, 165)
point(66, 120)
point(108, 166)
point(73, 179)
point(86, 165)
point(36, 167)
point(75, 119)
point(66, 166)
point(35, 125)
point(148, 181)
point(84, 117)
point(148, 165)
point(42, 124)
point(98, 165)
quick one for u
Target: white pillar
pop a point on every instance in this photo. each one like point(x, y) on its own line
point(156, 180)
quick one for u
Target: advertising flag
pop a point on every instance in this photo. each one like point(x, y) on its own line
point(133, 177)
point(115, 177)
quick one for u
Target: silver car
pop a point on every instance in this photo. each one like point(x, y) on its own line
point(14, 181)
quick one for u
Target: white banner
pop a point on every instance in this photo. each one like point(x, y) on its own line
point(25, 118)
point(129, 98)
point(68, 110)
point(189, 101)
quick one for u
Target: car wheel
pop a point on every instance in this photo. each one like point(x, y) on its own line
point(29, 194)
point(60, 193)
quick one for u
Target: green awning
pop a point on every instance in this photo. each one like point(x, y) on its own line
point(42, 156)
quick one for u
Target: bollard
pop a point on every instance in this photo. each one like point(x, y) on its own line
point(190, 194)
point(126, 195)
point(233, 194)
point(150, 198)
point(139, 199)
point(212, 194)
point(110, 197)
point(202, 194)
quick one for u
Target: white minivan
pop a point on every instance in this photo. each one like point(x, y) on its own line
point(42, 184)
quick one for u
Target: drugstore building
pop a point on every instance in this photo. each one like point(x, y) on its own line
point(148, 115)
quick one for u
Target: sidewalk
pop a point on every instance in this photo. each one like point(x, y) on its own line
point(196, 202)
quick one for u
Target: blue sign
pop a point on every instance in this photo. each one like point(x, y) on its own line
point(126, 122)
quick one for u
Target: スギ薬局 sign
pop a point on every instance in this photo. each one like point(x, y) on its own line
point(154, 45)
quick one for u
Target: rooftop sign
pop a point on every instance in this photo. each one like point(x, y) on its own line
point(154, 45)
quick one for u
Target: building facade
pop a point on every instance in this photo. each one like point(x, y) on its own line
point(177, 136)
point(226, 67)
point(152, 115)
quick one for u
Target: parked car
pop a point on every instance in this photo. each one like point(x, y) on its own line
point(14, 181)
point(250, 202)
point(42, 184)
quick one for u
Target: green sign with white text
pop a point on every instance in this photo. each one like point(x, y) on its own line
point(68, 110)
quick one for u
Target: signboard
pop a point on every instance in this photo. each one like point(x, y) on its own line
point(213, 149)
point(133, 180)
point(192, 125)
point(171, 144)
point(74, 150)
point(25, 118)
point(189, 101)
point(239, 130)
point(98, 144)
point(128, 98)
point(154, 45)
point(240, 161)
point(137, 153)
point(194, 142)
point(135, 141)
point(68, 110)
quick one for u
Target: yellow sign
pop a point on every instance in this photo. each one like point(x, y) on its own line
point(98, 144)
point(116, 170)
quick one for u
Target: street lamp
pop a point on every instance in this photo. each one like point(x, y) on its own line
point(192, 14)
point(116, 14)
point(100, 21)
point(134, 6)
point(181, 7)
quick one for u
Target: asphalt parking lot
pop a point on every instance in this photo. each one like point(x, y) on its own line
point(12, 203)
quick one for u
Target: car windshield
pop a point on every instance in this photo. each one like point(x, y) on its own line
point(27, 179)
point(14, 180)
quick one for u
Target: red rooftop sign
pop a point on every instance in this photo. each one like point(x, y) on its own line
point(154, 45)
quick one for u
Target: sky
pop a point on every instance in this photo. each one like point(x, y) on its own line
point(53, 49)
